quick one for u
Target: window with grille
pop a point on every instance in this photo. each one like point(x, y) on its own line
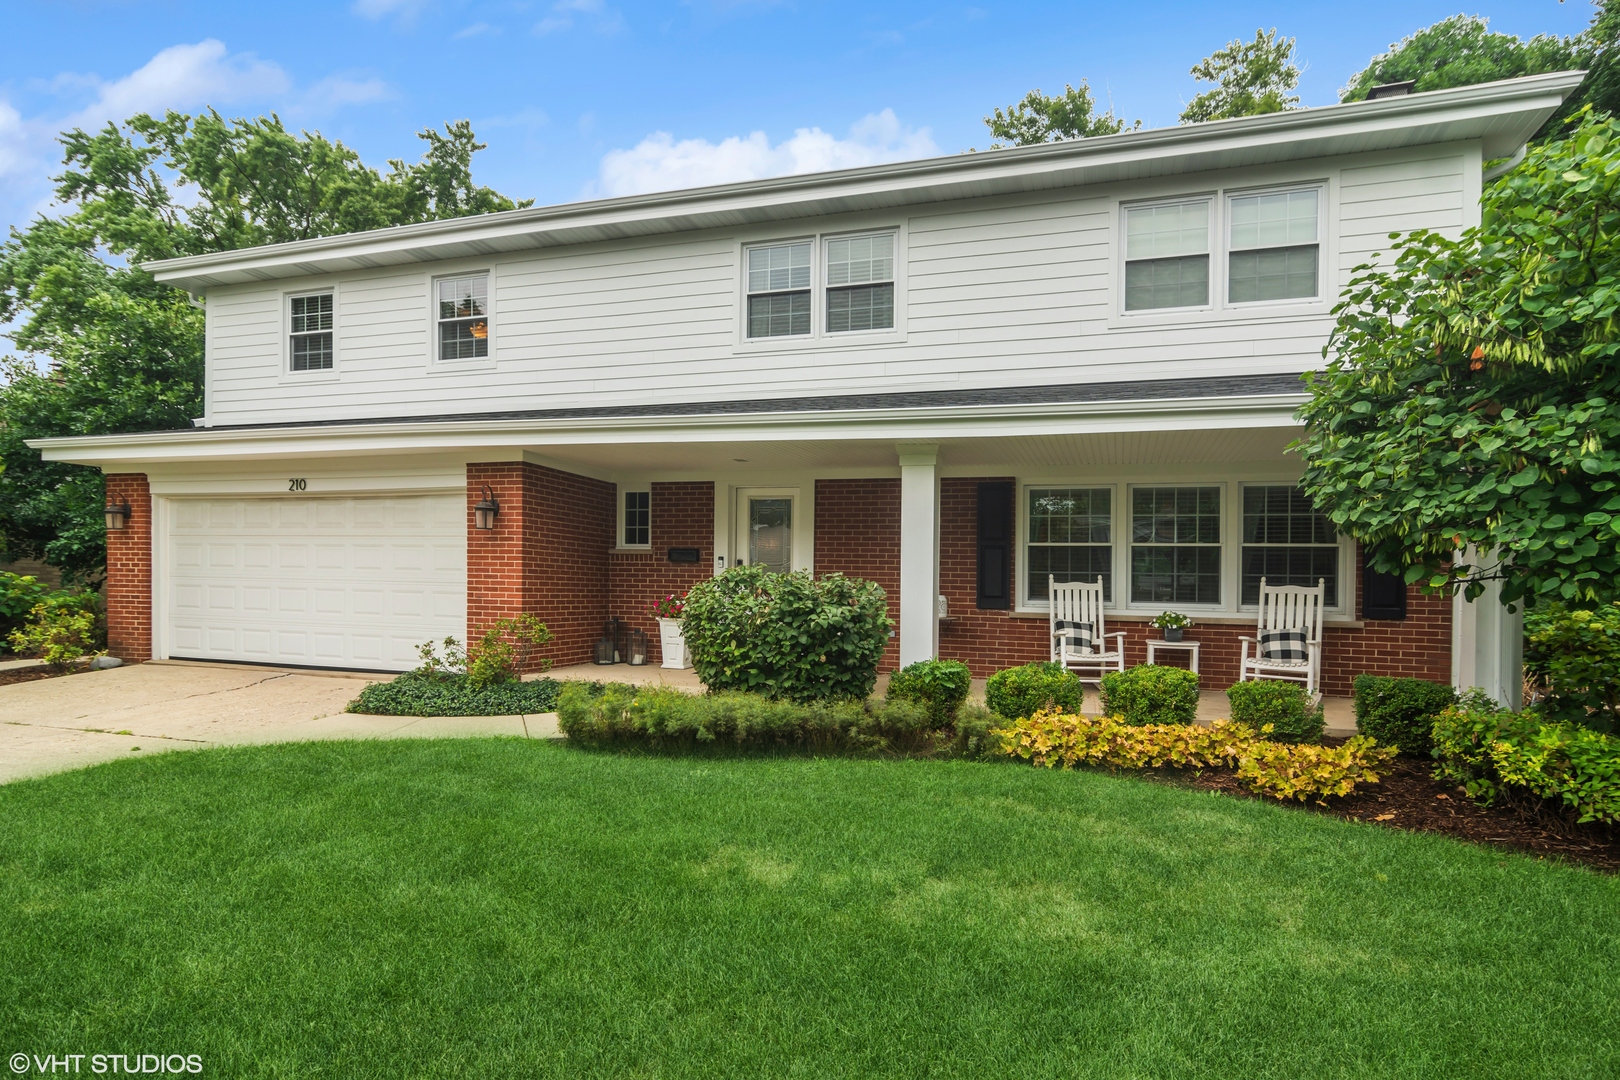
point(310, 341)
point(779, 290)
point(464, 317)
point(1273, 252)
point(1167, 255)
point(637, 518)
point(860, 283)
point(1287, 542)
point(1070, 538)
point(1176, 545)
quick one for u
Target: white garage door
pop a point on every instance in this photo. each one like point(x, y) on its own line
point(348, 583)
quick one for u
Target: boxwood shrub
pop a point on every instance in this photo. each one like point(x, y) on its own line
point(1400, 712)
point(1151, 694)
point(1024, 691)
point(415, 694)
point(1284, 705)
point(939, 686)
point(787, 636)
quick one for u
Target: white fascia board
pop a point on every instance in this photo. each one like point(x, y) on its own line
point(908, 425)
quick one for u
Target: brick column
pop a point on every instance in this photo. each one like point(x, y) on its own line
point(129, 571)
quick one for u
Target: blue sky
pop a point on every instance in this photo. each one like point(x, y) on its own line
point(586, 97)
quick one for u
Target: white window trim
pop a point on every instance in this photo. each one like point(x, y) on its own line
point(820, 337)
point(1345, 608)
point(1209, 198)
point(484, 363)
point(814, 240)
point(289, 377)
point(1295, 302)
point(618, 528)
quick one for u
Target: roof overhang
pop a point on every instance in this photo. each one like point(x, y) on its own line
point(1501, 116)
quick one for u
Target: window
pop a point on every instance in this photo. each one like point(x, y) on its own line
point(464, 318)
point(1176, 545)
point(779, 290)
point(310, 344)
point(1167, 255)
point(1070, 538)
point(637, 518)
point(1287, 542)
point(1274, 251)
point(860, 283)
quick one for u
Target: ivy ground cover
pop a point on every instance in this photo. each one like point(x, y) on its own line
point(507, 907)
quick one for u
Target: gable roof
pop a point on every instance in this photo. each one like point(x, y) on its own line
point(1501, 115)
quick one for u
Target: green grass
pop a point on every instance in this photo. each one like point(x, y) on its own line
point(516, 908)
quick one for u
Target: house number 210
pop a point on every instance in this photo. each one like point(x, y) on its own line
point(297, 485)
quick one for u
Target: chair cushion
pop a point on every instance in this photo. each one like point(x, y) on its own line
point(1076, 636)
point(1283, 645)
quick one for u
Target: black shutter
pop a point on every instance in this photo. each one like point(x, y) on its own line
point(1383, 596)
point(995, 546)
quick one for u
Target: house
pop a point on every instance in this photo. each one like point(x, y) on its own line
point(955, 377)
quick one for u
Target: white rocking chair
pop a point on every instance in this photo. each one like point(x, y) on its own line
point(1078, 639)
point(1288, 645)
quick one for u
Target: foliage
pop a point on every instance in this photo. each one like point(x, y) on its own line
point(1270, 768)
point(126, 353)
point(1151, 694)
point(667, 607)
point(416, 694)
point(1251, 78)
point(1575, 656)
point(496, 660)
point(1170, 620)
point(19, 593)
point(1282, 708)
point(1040, 119)
point(1018, 692)
point(1492, 753)
point(939, 686)
point(1472, 399)
point(60, 630)
point(1400, 712)
point(787, 636)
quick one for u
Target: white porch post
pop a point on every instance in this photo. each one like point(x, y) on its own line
point(1487, 644)
point(919, 552)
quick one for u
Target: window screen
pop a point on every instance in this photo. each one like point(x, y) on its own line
point(311, 339)
point(1070, 538)
point(464, 318)
point(860, 283)
point(1287, 542)
point(637, 518)
point(1167, 256)
point(779, 290)
point(1274, 246)
point(1176, 545)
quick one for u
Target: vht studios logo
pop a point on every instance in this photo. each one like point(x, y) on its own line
point(122, 1064)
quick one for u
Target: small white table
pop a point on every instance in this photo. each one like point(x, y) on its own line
point(1190, 646)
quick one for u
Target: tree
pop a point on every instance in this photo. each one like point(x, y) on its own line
point(1472, 398)
point(1041, 119)
point(125, 352)
point(1251, 78)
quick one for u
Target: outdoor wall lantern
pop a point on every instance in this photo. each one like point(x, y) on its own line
point(484, 511)
point(117, 515)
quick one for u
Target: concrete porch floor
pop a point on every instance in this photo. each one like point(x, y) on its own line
point(1338, 712)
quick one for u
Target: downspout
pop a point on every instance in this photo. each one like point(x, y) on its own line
point(1507, 166)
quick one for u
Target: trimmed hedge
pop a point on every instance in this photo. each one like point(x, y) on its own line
point(939, 686)
point(415, 694)
point(1151, 694)
point(1400, 712)
point(1024, 691)
point(1284, 706)
point(1494, 752)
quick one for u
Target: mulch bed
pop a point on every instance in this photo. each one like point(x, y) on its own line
point(29, 674)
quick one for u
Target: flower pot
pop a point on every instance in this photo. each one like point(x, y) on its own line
point(1172, 633)
point(674, 644)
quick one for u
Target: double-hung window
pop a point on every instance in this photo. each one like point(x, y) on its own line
point(637, 518)
point(1167, 255)
point(309, 345)
point(1176, 545)
point(1070, 538)
point(463, 317)
point(779, 290)
point(1274, 250)
point(1287, 541)
point(860, 283)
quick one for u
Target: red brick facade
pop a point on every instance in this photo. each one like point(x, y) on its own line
point(129, 571)
point(682, 517)
point(858, 534)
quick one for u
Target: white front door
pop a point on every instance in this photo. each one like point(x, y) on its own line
point(767, 523)
point(324, 582)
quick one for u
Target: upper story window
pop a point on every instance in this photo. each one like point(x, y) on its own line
point(779, 290)
point(1287, 541)
point(1274, 246)
point(1167, 255)
point(463, 317)
point(860, 283)
point(310, 332)
point(637, 518)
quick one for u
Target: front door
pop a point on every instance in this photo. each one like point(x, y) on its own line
point(765, 529)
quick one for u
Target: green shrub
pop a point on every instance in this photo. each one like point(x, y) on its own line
point(1493, 752)
point(939, 686)
point(1024, 691)
point(1575, 656)
point(416, 694)
point(787, 636)
point(62, 628)
point(1285, 706)
point(18, 595)
point(1400, 712)
point(1151, 694)
point(493, 662)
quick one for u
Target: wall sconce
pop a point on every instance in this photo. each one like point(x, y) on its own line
point(117, 514)
point(484, 511)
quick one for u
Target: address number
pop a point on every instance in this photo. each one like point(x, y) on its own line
point(297, 485)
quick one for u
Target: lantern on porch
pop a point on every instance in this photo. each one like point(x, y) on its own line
point(484, 511)
point(638, 648)
point(116, 514)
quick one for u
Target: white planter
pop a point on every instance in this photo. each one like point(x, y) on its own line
point(674, 644)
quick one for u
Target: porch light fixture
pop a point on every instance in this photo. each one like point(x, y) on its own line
point(484, 511)
point(117, 514)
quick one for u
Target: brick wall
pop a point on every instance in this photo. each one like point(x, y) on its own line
point(682, 516)
point(987, 641)
point(548, 554)
point(858, 534)
point(129, 571)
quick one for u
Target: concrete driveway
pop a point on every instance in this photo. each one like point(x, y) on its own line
point(50, 725)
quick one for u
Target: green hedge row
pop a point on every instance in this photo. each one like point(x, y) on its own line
point(415, 694)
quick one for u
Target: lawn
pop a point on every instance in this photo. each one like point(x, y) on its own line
point(519, 908)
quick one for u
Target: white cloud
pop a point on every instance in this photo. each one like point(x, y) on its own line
point(381, 9)
point(181, 77)
point(475, 30)
point(564, 13)
point(335, 90)
point(659, 163)
point(13, 140)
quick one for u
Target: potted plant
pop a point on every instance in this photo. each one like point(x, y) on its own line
point(1172, 623)
point(668, 610)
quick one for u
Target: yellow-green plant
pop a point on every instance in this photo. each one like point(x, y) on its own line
point(1303, 771)
point(58, 634)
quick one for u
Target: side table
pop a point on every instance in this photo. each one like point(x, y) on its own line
point(1190, 646)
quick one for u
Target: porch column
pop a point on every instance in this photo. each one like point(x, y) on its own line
point(1487, 644)
point(919, 552)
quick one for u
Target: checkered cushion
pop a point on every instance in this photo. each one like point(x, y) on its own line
point(1283, 645)
point(1076, 636)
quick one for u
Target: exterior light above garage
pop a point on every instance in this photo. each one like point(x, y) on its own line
point(484, 511)
point(117, 514)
